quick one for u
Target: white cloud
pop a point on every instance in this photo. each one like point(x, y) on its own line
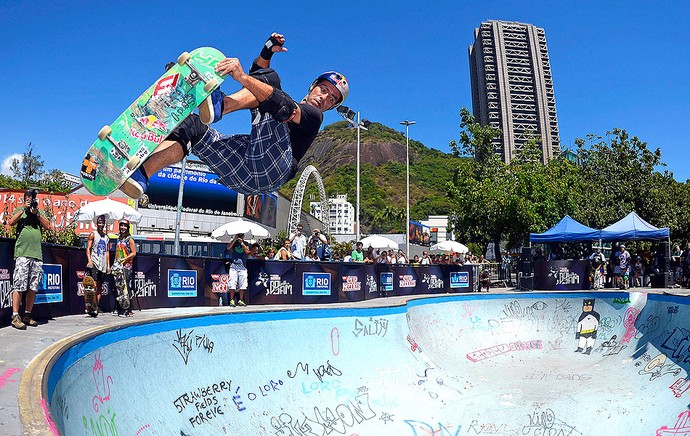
point(7, 163)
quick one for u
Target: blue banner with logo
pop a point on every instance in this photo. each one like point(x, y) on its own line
point(317, 281)
point(459, 278)
point(182, 282)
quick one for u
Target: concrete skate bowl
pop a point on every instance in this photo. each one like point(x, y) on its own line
point(451, 365)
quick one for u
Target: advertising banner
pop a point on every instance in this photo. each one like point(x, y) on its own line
point(431, 280)
point(271, 282)
point(317, 281)
point(181, 282)
point(146, 282)
point(6, 270)
point(53, 297)
point(405, 280)
point(261, 208)
point(216, 282)
point(352, 281)
point(61, 207)
point(419, 233)
point(203, 192)
point(458, 278)
point(571, 275)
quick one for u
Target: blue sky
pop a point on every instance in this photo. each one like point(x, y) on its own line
point(71, 67)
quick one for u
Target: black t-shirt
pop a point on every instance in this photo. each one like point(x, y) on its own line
point(303, 134)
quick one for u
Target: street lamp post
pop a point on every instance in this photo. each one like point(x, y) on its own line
point(349, 116)
point(407, 125)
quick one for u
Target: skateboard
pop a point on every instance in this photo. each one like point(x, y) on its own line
point(90, 296)
point(123, 298)
point(125, 144)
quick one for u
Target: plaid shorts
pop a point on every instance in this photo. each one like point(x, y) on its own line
point(28, 273)
point(249, 164)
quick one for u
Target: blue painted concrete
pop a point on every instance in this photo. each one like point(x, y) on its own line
point(445, 366)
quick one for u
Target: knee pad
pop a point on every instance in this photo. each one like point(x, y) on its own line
point(189, 131)
point(279, 105)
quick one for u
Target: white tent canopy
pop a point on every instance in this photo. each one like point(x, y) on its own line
point(448, 246)
point(376, 241)
point(113, 210)
point(250, 229)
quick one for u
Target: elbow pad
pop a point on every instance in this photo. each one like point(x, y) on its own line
point(279, 105)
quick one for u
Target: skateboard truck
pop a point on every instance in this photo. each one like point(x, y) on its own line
point(121, 147)
point(195, 76)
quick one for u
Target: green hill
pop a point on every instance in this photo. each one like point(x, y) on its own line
point(382, 175)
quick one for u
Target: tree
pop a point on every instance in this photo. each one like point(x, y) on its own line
point(479, 190)
point(28, 169)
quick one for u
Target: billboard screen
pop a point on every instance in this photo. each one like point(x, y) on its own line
point(203, 192)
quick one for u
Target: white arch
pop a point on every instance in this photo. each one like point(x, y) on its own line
point(298, 196)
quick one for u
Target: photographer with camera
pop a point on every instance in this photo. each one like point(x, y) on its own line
point(28, 257)
point(236, 264)
point(318, 241)
point(298, 243)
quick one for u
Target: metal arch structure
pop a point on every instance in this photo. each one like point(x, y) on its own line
point(298, 196)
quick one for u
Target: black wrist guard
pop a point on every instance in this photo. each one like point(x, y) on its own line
point(266, 52)
point(279, 105)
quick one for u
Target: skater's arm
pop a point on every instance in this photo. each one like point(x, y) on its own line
point(274, 44)
point(260, 90)
point(89, 244)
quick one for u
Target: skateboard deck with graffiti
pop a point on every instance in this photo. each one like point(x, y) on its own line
point(89, 285)
point(123, 297)
point(125, 144)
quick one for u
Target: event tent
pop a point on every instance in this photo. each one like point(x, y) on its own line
point(566, 230)
point(633, 227)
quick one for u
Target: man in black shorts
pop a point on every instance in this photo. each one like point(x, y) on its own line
point(282, 129)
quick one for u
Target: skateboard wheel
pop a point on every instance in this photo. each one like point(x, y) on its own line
point(210, 85)
point(183, 58)
point(133, 163)
point(104, 133)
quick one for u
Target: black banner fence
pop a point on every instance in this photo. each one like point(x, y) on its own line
point(175, 281)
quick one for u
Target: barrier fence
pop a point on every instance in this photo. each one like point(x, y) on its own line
point(175, 281)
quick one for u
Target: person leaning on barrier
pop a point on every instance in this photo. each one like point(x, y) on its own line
point(285, 253)
point(28, 257)
point(369, 256)
point(425, 260)
point(357, 254)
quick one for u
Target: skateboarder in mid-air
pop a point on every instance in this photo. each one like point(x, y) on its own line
point(282, 129)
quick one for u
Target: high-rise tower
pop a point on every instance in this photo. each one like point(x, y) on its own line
point(512, 86)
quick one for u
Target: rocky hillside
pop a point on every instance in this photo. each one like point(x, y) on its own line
point(383, 174)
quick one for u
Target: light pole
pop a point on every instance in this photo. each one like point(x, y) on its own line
point(407, 125)
point(349, 116)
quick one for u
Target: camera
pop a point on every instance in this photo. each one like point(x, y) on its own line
point(34, 196)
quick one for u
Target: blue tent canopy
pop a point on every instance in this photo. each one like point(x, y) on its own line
point(633, 227)
point(566, 230)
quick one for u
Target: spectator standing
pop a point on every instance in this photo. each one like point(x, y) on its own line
point(28, 257)
point(597, 260)
point(98, 256)
point(298, 243)
point(685, 259)
point(415, 260)
point(624, 262)
point(638, 270)
point(400, 258)
point(236, 253)
point(271, 254)
point(125, 252)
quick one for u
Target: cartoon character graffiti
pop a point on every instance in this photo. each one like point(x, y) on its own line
point(587, 327)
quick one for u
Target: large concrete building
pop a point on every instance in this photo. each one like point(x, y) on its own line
point(512, 86)
point(341, 215)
